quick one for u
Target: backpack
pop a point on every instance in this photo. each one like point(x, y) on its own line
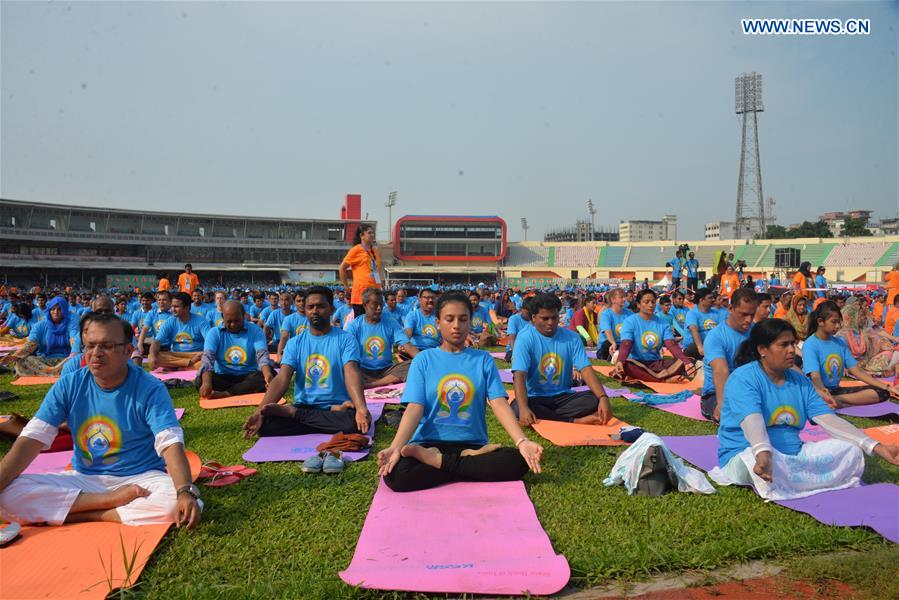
point(657, 477)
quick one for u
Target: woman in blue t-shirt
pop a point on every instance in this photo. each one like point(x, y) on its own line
point(767, 403)
point(642, 338)
point(442, 437)
point(18, 325)
point(826, 357)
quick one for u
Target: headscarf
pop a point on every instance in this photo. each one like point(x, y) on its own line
point(851, 329)
point(57, 339)
point(798, 321)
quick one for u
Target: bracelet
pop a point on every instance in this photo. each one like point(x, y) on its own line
point(518, 443)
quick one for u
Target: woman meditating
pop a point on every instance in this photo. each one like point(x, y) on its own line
point(442, 437)
point(642, 338)
point(798, 316)
point(872, 349)
point(826, 357)
point(766, 404)
point(49, 342)
point(18, 325)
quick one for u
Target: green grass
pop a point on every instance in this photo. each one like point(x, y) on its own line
point(286, 534)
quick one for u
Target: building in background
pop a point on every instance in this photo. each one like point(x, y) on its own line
point(719, 230)
point(581, 233)
point(837, 220)
point(648, 231)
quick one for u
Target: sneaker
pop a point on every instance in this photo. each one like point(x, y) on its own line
point(314, 464)
point(332, 464)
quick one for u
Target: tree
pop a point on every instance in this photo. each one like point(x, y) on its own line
point(811, 230)
point(775, 232)
point(856, 227)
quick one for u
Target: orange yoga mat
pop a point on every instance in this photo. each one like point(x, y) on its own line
point(64, 562)
point(851, 383)
point(659, 388)
point(885, 434)
point(35, 380)
point(575, 434)
point(245, 400)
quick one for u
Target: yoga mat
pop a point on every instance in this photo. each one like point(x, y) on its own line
point(851, 383)
point(575, 434)
point(395, 400)
point(499, 355)
point(606, 371)
point(505, 375)
point(188, 375)
point(689, 408)
point(301, 447)
point(875, 506)
point(50, 462)
point(233, 401)
point(610, 392)
point(885, 434)
point(881, 409)
point(64, 562)
point(660, 388)
point(34, 380)
point(462, 538)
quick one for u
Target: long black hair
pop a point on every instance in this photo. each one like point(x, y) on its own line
point(763, 333)
point(363, 227)
point(823, 312)
point(24, 310)
point(806, 269)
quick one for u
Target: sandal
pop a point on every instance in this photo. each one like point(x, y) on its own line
point(221, 476)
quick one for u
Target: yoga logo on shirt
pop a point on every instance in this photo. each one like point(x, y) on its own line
point(454, 394)
point(429, 330)
point(22, 329)
point(184, 338)
point(709, 324)
point(477, 322)
point(159, 323)
point(550, 368)
point(618, 330)
point(236, 356)
point(300, 329)
point(99, 439)
point(680, 318)
point(784, 415)
point(318, 370)
point(651, 341)
point(374, 346)
point(833, 366)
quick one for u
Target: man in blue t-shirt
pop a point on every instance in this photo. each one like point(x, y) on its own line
point(126, 437)
point(677, 267)
point(721, 346)
point(294, 324)
point(518, 323)
point(545, 357)
point(327, 396)
point(480, 323)
point(393, 309)
point(153, 321)
point(420, 324)
point(272, 325)
point(692, 266)
point(235, 357)
point(701, 319)
point(179, 342)
point(377, 336)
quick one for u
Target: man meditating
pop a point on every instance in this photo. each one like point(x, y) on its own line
point(376, 337)
point(442, 437)
point(420, 324)
point(235, 357)
point(327, 396)
point(542, 372)
point(179, 342)
point(126, 437)
point(152, 322)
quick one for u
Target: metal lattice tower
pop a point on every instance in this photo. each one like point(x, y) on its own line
point(750, 218)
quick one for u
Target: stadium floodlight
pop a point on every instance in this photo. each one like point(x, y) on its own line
point(525, 227)
point(750, 216)
point(391, 202)
point(592, 211)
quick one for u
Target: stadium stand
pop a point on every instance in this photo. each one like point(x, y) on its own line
point(650, 256)
point(890, 257)
point(855, 255)
point(576, 256)
point(527, 256)
point(813, 253)
point(614, 256)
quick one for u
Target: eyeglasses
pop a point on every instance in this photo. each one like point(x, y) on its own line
point(104, 347)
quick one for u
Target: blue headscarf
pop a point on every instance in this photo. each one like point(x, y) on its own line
point(57, 339)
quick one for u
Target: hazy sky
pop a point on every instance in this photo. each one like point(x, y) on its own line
point(515, 109)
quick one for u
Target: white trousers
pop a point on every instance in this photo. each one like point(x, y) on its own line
point(47, 498)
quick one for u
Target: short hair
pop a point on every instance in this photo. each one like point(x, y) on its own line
point(544, 301)
point(148, 296)
point(762, 296)
point(642, 293)
point(389, 294)
point(371, 292)
point(322, 291)
point(183, 297)
point(428, 290)
point(665, 299)
point(701, 293)
point(107, 319)
point(744, 295)
point(188, 265)
point(164, 293)
point(451, 297)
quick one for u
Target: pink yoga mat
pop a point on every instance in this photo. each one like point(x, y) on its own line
point(499, 355)
point(301, 447)
point(875, 506)
point(462, 538)
point(384, 388)
point(689, 408)
point(188, 375)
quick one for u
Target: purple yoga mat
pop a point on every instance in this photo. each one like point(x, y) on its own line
point(875, 506)
point(499, 355)
point(689, 408)
point(881, 409)
point(189, 375)
point(301, 447)
point(505, 375)
point(49, 462)
point(462, 538)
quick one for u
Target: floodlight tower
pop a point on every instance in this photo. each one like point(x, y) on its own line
point(525, 227)
point(750, 216)
point(592, 211)
point(391, 202)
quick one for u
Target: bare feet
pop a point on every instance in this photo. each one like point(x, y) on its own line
point(589, 420)
point(429, 456)
point(278, 410)
point(482, 450)
point(125, 494)
point(341, 407)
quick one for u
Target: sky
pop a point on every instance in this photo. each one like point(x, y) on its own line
point(469, 108)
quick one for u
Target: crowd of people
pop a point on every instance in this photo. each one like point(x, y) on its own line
point(771, 359)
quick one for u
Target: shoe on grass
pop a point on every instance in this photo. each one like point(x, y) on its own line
point(314, 464)
point(333, 463)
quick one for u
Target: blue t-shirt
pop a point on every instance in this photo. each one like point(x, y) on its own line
point(516, 326)
point(318, 361)
point(183, 337)
point(154, 320)
point(274, 320)
point(265, 312)
point(294, 324)
point(703, 321)
point(114, 430)
point(480, 319)
point(200, 310)
point(820, 282)
point(680, 318)
point(377, 341)
point(647, 337)
point(722, 342)
point(424, 329)
point(609, 320)
point(19, 327)
point(40, 334)
point(785, 408)
point(72, 364)
point(454, 388)
point(828, 357)
point(397, 314)
point(253, 310)
point(214, 317)
point(235, 353)
point(548, 361)
point(38, 313)
point(340, 315)
point(565, 316)
point(692, 268)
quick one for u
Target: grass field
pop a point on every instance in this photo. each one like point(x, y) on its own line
point(285, 534)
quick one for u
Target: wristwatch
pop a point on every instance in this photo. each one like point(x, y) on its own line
point(190, 489)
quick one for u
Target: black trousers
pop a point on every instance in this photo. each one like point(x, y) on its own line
point(707, 405)
point(882, 395)
point(562, 407)
point(693, 352)
point(692, 282)
point(399, 370)
point(602, 353)
point(410, 475)
point(236, 385)
point(310, 420)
